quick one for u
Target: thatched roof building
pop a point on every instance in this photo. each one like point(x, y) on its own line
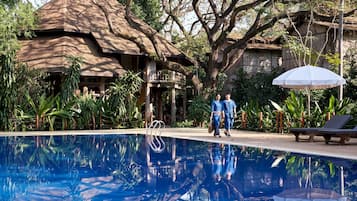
point(110, 42)
point(95, 30)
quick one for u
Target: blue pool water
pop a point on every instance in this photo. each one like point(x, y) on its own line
point(125, 167)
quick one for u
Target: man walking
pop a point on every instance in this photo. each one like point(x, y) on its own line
point(229, 108)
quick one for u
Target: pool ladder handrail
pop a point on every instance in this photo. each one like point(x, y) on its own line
point(154, 139)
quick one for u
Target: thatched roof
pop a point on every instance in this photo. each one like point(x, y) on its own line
point(105, 20)
point(258, 42)
point(264, 46)
point(96, 30)
point(50, 53)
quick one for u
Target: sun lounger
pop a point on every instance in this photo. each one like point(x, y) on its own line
point(343, 134)
point(336, 122)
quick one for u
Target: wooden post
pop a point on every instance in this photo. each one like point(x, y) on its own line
point(277, 121)
point(244, 123)
point(328, 116)
point(302, 120)
point(260, 120)
point(184, 103)
point(281, 125)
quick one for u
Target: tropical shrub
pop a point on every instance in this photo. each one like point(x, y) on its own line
point(184, 124)
point(71, 79)
point(14, 19)
point(252, 110)
point(199, 111)
point(257, 88)
point(295, 109)
point(86, 112)
point(118, 105)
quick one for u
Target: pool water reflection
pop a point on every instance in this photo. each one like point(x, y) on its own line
point(124, 167)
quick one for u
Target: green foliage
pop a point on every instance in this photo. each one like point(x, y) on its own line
point(311, 170)
point(184, 124)
point(41, 109)
point(72, 78)
point(88, 109)
point(60, 113)
point(196, 47)
point(31, 81)
point(149, 11)
point(14, 20)
point(252, 110)
point(119, 102)
point(350, 68)
point(295, 108)
point(301, 51)
point(199, 110)
point(333, 60)
point(7, 90)
point(257, 88)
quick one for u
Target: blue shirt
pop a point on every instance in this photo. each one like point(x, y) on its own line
point(216, 106)
point(229, 106)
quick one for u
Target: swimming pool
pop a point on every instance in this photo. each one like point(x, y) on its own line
point(125, 167)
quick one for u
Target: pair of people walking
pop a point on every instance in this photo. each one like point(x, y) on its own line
point(223, 109)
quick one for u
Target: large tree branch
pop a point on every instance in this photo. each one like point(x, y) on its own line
point(223, 5)
point(147, 31)
point(256, 23)
point(233, 59)
point(232, 22)
point(180, 25)
point(214, 8)
point(201, 19)
point(116, 32)
point(193, 26)
point(229, 9)
point(253, 32)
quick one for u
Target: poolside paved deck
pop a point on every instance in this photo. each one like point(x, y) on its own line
point(283, 142)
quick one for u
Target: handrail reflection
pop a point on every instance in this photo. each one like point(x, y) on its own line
point(154, 139)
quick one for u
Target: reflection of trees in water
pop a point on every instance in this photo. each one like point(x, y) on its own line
point(69, 156)
point(183, 171)
point(323, 172)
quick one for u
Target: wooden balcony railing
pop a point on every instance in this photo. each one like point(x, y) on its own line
point(166, 76)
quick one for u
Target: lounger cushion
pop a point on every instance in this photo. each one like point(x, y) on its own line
point(338, 131)
point(335, 122)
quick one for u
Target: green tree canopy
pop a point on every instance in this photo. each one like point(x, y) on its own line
point(16, 18)
point(149, 11)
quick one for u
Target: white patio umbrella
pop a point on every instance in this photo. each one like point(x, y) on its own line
point(309, 77)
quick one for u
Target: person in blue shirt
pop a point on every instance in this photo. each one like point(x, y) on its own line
point(229, 109)
point(216, 157)
point(216, 114)
point(230, 162)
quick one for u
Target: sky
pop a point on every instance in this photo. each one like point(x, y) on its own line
point(38, 3)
